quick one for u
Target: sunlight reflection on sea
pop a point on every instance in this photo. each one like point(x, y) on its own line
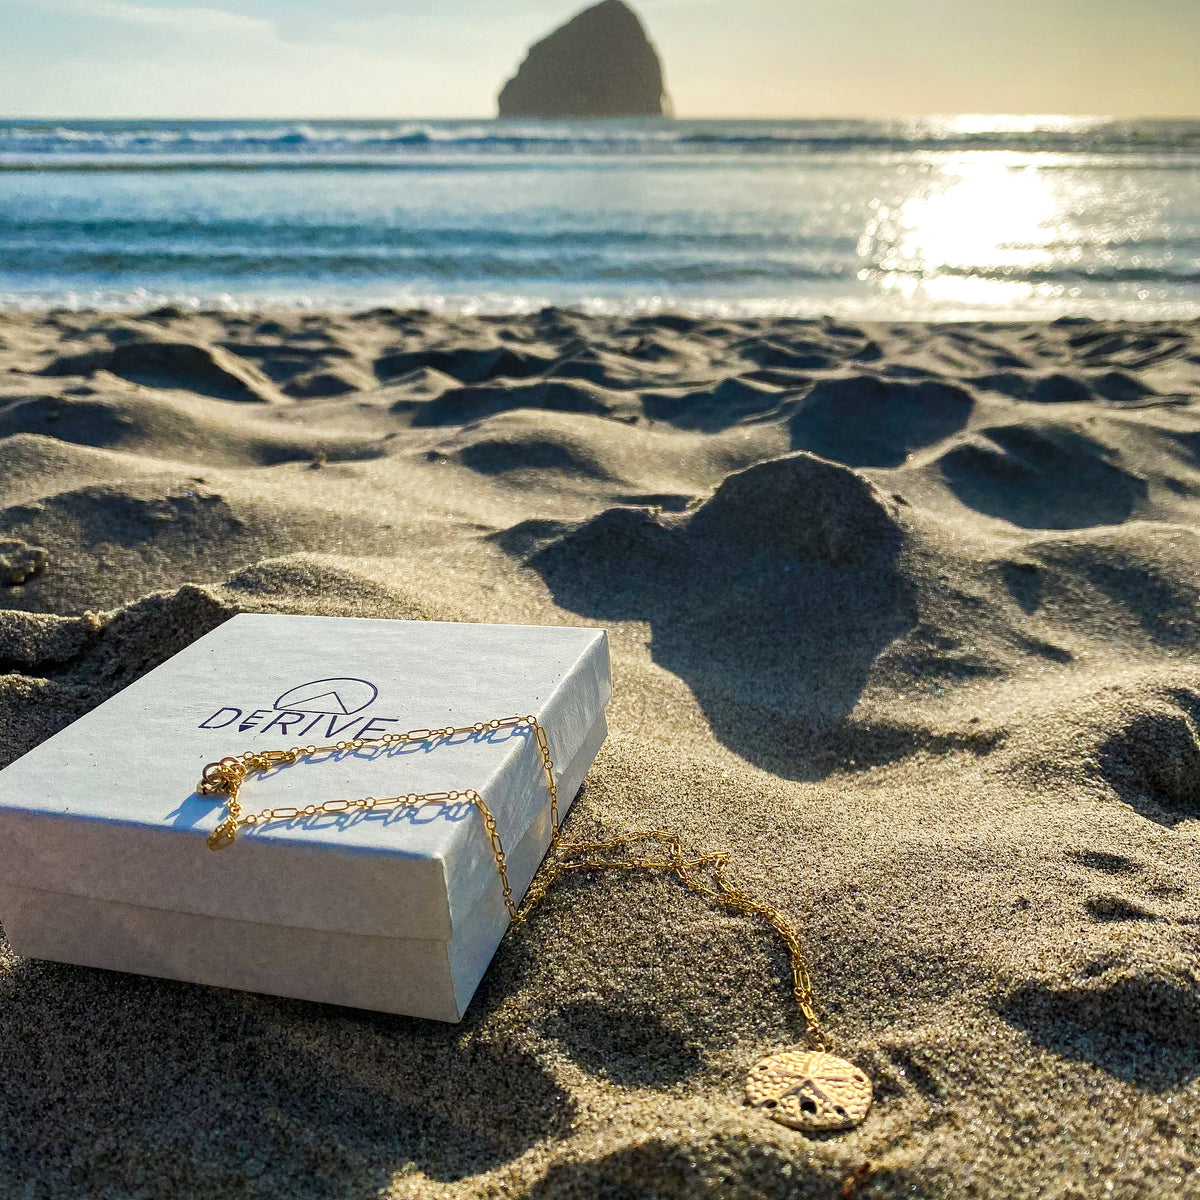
point(932, 218)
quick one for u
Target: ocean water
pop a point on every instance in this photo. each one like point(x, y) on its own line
point(932, 218)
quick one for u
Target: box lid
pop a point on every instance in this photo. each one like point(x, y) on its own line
point(108, 807)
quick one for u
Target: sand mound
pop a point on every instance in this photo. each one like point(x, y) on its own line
point(86, 422)
point(632, 464)
point(618, 371)
point(1132, 585)
point(167, 427)
point(331, 588)
point(1043, 475)
point(101, 540)
point(767, 569)
point(421, 384)
point(1134, 1023)
point(465, 364)
point(30, 465)
point(461, 405)
point(1057, 388)
point(525, 444)
point(338, 381)
point(866, 421)
point(798, 355)
point(69, 665)
point(687, 1167)
point(730, 402)
point(904, 617)
point(1136, 347)
point(208, 370)
point(1153, 762)
point(803, 506)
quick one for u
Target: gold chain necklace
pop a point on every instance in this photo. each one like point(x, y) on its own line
point(811, 1089)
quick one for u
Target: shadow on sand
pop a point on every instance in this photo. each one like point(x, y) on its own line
point(771, 600)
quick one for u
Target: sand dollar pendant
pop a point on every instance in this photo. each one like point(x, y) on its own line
point(809, 1090)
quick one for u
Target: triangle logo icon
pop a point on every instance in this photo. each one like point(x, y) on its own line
point(330, 702)
point(340, 697)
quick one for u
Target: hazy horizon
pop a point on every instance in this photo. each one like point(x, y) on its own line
point(762, 59)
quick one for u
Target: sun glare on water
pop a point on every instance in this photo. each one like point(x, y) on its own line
point(966, 228)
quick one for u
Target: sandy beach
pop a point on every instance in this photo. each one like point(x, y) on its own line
point(903, 616)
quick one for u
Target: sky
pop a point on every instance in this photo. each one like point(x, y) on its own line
point(723, 58)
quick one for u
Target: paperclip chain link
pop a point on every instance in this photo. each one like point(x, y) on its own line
point(227, 776)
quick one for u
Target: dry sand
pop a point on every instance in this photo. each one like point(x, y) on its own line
point(937, 689)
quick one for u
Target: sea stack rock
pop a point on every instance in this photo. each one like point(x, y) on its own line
point(601, 63)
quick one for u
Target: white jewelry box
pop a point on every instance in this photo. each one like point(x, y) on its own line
point(103, 855)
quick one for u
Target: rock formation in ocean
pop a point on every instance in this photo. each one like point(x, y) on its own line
point(601, 63)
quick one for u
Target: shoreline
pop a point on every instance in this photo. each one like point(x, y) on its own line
point(498, 307)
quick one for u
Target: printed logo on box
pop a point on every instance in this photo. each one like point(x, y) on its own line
point(325, 708)
point(342, 696)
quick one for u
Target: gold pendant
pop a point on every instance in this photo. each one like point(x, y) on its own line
point(809, 1090)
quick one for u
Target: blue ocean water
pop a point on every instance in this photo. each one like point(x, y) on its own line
point(925, 218)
